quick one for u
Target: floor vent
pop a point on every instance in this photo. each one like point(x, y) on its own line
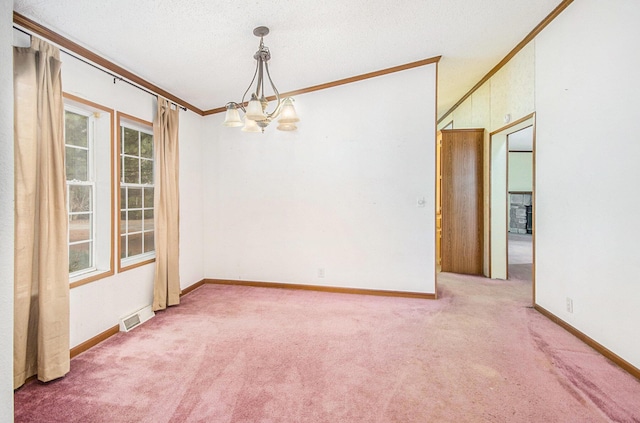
point(136, 319)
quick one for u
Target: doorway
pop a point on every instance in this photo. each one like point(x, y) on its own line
point(522, 244)
point(520, 204)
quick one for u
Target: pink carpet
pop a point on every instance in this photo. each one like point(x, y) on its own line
point(236, 354)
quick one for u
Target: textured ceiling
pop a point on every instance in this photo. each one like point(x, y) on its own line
point(202, 50)
point(521, 140)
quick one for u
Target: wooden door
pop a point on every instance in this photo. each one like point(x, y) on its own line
point(462, 201)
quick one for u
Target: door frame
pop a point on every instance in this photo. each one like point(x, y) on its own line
point(498, 191)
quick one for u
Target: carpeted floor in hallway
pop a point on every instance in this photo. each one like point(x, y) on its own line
point(520, 256)
point(239, 354)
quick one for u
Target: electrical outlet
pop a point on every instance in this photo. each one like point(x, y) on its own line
point(569, 305)
point(321, 272)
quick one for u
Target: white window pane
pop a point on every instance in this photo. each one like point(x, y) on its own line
point(131, 142)
point(146, 172)
point(135, 245)
point(134, 222)
point(134, 198)
point(123, 198)
point(80, 227)
point(148, 198)
point(123, 222)
point(123, 246)
point(131, 170)
point(80, 198)
point(148, 220)
point(79, 257)
point(77, 164)
point(75, 129)
point(146, 145)
point(148, 242)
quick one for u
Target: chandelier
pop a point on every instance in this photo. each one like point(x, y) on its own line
point(256, 116)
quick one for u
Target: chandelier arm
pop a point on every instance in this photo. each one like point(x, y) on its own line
point(260, 83)
point(249, 87)
point(276, 111)
point(236, 105)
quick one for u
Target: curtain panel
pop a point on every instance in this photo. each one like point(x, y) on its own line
point(41, 293)
point(166, 287)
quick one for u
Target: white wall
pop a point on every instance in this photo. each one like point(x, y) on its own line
point(192, 213)
point(499, 207)
point(340, 194)
point(520, 171)
point(97, 306)
point(6, 212)
point(587, 93)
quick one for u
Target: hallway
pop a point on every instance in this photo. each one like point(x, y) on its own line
point(520, 257)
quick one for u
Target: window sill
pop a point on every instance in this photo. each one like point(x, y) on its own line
point(128, 264)
point(88, 277)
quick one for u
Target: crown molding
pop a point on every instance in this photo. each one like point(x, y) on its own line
point(66, 44)
point(344, 81)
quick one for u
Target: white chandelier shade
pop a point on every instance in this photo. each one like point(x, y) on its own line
point(254, 111)
point(288, 112)
point(232, 117)
point(250, 125)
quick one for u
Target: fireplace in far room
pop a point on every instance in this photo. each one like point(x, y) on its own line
point(520, 216)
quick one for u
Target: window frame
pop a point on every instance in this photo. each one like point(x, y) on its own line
point(102, 249)
point(140, 125)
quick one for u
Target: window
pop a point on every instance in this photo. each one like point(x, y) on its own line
point(78, 128)
point(88, 135)
point(136, 192)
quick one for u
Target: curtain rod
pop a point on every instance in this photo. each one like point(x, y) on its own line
point(115, 76)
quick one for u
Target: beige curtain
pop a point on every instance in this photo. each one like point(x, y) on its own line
point(41, 293)
point(166, 287)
